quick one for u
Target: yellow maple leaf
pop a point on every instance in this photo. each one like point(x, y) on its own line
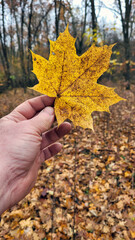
point(72, 79)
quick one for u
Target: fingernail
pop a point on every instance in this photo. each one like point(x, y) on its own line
point(49, 110)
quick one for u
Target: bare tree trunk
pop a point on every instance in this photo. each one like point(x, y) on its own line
point(29, 41)
point(17, 30)
point(93, 17)
point(57, 16)
point(3, 60)
point(44, 16)
point(4, 53)
point(83, 29)
point(73, 22)
point(80, 41)
point(20, 36)
point(24, 78)
point(125, 20)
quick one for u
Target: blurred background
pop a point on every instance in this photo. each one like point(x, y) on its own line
point(87, 191)
point(29, 24)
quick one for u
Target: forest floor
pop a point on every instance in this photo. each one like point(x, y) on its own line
point(87, 191)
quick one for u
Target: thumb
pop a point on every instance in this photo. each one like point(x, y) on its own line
point(43, 121)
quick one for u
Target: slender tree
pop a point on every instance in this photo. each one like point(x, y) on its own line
point(93, 17)
point(44, 16)
point(24, 76)
point(83, 28)
point(79, 26)
point(125, 20)
point(29, 39)
point(4, 48)
point(57, 8)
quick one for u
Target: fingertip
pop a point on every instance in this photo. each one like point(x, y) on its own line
point(48, 100)
point(56, 147)
point(64, 128)
point(52, 150)
point(59, 146)
point(68, 125)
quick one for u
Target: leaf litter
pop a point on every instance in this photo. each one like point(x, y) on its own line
point(103, 204)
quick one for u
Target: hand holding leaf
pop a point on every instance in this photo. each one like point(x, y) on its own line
point(72, 79)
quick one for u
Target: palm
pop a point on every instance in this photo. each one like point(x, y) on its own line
point(28, 144)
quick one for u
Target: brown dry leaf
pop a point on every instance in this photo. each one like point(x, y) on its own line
point(16, 214)
point(120, 204)
point(35, 236)
point(17, 233)
point(106, 229)
point(26, 223)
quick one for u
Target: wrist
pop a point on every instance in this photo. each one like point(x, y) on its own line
point(3, 202)
point(4, 195)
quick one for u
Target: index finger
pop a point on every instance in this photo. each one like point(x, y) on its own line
point(29, 108)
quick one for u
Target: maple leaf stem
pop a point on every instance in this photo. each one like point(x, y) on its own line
point(74, 187)
point(53, 201)
point(58, 95)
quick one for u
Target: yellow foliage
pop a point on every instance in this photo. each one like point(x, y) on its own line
point(72, 80)
point(132, 234)
point(127, 174)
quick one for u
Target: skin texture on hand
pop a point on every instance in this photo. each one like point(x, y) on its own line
point(26, 140)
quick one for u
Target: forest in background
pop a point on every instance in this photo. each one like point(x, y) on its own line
point(87, 191)
point(29, 24)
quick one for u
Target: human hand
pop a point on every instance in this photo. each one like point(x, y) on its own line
point(25, 143)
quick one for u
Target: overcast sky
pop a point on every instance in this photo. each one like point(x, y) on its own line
point(109, 16)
